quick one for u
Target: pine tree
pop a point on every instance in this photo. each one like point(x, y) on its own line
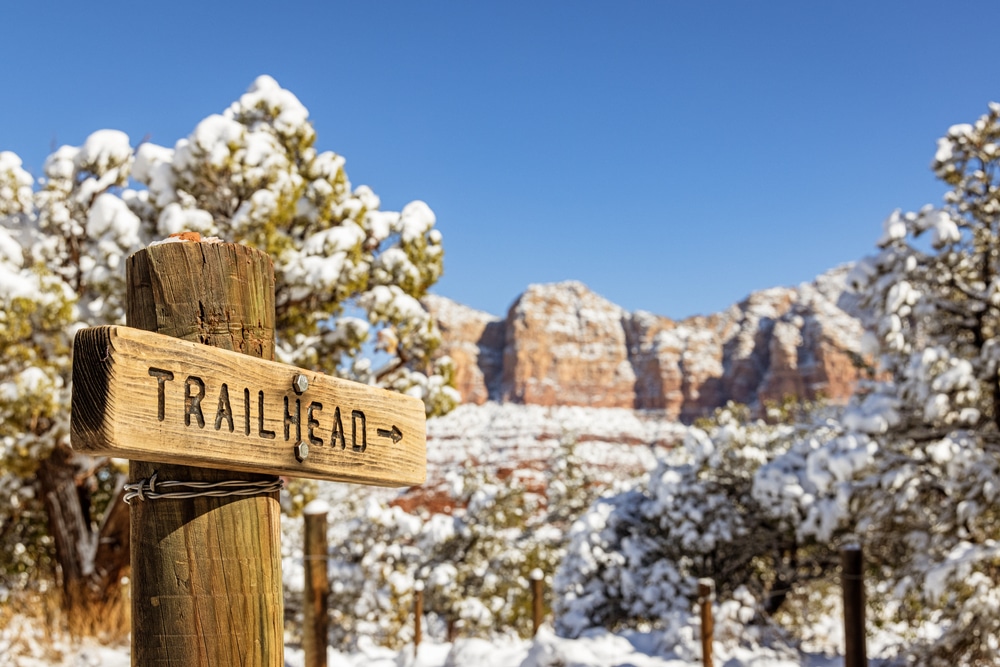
point(928, 510)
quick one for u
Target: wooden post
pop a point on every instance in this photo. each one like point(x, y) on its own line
point(706, 595)
point(317, 585)
point(418, 616)
point(852, 581)
point(537, 600)
point(206, 572)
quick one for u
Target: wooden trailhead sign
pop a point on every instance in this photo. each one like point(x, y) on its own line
point(147, 396)
point(190, 393)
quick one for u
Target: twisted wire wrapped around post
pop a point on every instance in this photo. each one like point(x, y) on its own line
point(150, 489)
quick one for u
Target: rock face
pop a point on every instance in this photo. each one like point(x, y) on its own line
point(562, 344)
point(474, 340)
point(565, 345)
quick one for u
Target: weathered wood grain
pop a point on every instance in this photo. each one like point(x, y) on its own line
point(316, 620)
point(206, 572)
point(140, 395)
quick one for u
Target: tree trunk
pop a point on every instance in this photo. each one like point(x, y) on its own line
point(91, 558)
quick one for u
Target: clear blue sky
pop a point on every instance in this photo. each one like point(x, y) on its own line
point(674, 156)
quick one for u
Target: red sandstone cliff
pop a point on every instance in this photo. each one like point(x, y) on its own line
point(561, 344)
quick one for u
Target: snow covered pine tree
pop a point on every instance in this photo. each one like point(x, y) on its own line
point(928, 511)
point(349, 277)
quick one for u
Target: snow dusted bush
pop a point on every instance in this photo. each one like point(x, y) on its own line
point(475, 565)
point(481, 575)
point(349, 276)
point(635, 558)
point(475, 561)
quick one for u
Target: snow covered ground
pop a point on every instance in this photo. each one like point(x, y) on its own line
point(546, 650)
point(621, 443)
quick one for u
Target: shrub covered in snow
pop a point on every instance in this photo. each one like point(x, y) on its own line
point(635, 558)
point(475, 562)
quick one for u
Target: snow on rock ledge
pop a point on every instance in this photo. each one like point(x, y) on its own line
point(505, 433)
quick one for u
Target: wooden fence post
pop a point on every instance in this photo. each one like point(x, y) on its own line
point(706, 595)
point(317, 584)
point(206, 572)
point(852, 581)
point(418, 615)
point(537, 599)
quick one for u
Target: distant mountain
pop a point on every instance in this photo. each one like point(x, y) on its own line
point(563, 345)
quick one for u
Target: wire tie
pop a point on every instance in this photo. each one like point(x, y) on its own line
point(147, 489)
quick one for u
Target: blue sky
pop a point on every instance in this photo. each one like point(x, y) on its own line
point(673, 156)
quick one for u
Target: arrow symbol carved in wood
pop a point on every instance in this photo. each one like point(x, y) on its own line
point(395, 433)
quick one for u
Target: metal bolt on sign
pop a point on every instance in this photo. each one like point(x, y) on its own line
point(301, 451)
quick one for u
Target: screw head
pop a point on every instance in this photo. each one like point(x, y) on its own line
point(301, 451)
point(300, 383)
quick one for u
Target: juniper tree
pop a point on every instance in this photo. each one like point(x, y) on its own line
point(349, 278)
point(928, 510)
